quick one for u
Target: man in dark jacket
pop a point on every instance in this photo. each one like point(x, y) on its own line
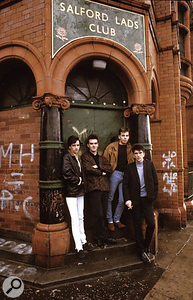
point(140, 187)
point(72, 175)
point(97, 171)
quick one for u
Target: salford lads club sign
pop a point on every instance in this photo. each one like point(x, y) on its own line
point(75, 19)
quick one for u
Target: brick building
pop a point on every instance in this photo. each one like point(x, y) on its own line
point(76, 67)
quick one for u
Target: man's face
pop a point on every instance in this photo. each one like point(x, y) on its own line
point(123, 138)
point(139, 155)
point(74, 148)
point(93, 145)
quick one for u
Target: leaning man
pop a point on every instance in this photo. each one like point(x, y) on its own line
point(140, 188)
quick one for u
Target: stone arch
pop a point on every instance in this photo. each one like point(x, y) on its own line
point(31, 56)
point(131, 72)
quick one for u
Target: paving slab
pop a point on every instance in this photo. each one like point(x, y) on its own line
point(176, 255)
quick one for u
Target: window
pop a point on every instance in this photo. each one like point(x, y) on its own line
point(86, 85)
point(17, 84)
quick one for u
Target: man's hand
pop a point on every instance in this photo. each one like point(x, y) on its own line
point(128, 203)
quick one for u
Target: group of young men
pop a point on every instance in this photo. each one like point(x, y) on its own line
point(122, 168)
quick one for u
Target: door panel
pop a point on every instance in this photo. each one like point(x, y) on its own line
point(85, 121)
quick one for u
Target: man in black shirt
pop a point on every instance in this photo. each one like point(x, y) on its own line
point(119, 154)
point(97, 171)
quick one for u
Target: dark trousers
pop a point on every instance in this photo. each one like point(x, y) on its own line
point(143, 209)
point(98, 207)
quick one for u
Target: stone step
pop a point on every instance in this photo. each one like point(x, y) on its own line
point(16, 250)
point(16, 258)
point(21, 251)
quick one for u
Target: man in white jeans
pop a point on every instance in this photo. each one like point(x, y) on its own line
point(74, 188)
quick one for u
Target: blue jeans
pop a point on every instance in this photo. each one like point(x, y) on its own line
point(115, 181)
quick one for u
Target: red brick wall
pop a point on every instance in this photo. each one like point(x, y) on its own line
point(24, 21)
point(19, 168)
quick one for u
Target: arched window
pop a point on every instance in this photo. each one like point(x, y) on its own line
point(88, 85)
point(17, 84)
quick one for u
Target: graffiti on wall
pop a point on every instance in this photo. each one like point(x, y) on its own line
point(14, 186)
point(169, 177)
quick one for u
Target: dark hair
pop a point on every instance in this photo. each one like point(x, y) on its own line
point(138, 147)
point(72, 139)
point(91, 137)
point(123, 129)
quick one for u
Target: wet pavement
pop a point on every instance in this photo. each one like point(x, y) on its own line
point(133, 284)
point(170, 277)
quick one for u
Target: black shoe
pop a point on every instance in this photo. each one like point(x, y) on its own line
point(145, 258)
point(109, 241)
point(80, 254)
point(88, 247)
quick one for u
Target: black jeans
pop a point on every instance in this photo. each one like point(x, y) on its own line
point(97, 207)
point(143, 209)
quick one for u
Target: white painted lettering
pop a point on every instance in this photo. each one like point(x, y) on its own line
point(130, 23)
point(5, 154)
point(62, 6)
point(97, 15)
point(117, 21)
point(26, 154)
point(123, 22)
point(76, 11)
point(104, 17)
point(70, 9)
point(82, 11)
point(113, 33)
point(90, 13)
point(136, 25)
point(98, 29)
point(25, 203)
point(92, 27)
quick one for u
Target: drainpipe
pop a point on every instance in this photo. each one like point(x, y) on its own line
point(138, 118)
point(51, 238)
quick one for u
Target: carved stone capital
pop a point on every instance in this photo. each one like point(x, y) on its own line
point(50, 100)
point(144, 109)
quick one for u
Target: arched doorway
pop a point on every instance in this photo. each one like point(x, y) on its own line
point(18, 84)
point(98, 99)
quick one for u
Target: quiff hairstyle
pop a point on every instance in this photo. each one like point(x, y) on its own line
point(123, 129)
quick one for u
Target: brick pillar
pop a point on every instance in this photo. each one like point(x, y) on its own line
point(139, 124)
point(51, 238)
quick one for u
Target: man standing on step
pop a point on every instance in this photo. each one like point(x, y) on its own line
point(97, 171)
point(140, 188)
point(119, 154)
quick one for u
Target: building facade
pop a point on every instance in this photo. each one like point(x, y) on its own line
point(77, 67)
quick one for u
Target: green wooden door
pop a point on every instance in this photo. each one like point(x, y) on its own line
point(97, 103)
point(84, 121)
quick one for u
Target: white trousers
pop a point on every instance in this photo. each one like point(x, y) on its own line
point(76, 209)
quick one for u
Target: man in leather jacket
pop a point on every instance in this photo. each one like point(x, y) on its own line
point(72, 174)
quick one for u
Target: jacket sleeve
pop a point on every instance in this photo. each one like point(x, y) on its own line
point(126, 189)
point(106, 166)
point(88, 166)
point(68, 172)
point(106, 153)
point(155, 179)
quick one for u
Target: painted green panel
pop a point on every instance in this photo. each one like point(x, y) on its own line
point(84, 121)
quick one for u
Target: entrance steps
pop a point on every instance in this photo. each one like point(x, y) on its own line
point(16, 258)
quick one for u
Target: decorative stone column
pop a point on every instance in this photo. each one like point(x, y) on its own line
point(139, 123)
point(51, 238)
